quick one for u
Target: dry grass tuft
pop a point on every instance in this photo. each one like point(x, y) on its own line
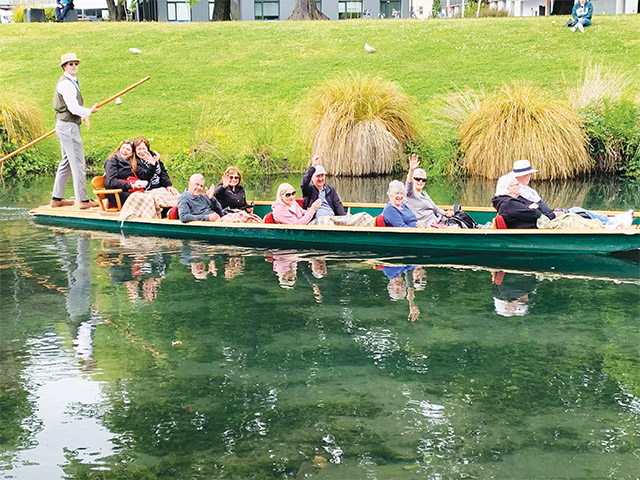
point(451, 110)
point(22, 120)
point(358, 124)
point(517, 123)
point(600, 84)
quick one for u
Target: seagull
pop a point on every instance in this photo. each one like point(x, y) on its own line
point(118, 101)
point(369, 48)
point(135, 50)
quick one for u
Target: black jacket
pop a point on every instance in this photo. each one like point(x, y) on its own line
point(117, 169)
point(229, 198)
point(310, 193)
point(516, 211)
point(146, 171)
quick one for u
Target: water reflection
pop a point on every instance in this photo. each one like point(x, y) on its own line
point(245, 363)
point(512, 293)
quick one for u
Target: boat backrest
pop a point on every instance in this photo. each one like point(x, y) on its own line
point(380, 221)
point(98, 182)
point(499, 223)
point(268, 218)
point(172, 214)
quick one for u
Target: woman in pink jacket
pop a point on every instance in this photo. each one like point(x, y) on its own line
point(287, 210)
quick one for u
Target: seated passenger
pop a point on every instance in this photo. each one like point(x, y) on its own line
point(396, 213)
point(331, 211)
point(150, 167)
point(230, 192)
point(120, 172)
point(287, 210)
point(195, 205)
point(517, 211)
point(419, 201)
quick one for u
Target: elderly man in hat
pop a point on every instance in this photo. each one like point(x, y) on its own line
point(67, 102)
point(522, 170)
point(331, 212)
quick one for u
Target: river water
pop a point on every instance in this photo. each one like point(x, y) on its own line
point(145, 358)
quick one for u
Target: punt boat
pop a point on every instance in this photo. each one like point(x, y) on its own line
point(381, 240)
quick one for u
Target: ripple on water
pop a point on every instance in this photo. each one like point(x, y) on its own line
point(13, 213)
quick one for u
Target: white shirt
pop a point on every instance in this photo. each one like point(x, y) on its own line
point(529, 193)
point(68, 91)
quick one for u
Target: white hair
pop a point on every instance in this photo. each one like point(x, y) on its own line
point(503, 184)
point(283, 188)
point(396, 186)
point(196, 176)
point(420, 173)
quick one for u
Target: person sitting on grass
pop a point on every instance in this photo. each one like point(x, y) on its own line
point(581, 13)
point(62, 7)
point(195, 205)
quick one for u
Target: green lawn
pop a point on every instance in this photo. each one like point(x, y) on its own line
point(249, 76)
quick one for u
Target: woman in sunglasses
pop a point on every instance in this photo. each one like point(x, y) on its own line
point(419, 201)
point(287, 210)
point(230, 192)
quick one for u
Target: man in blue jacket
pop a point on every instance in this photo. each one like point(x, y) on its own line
point(581, 13)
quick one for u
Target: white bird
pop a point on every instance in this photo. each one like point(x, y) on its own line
point(118, 101)
point(135, 50)
point(369, 48)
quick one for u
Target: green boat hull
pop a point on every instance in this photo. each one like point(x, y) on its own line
point(374, 239)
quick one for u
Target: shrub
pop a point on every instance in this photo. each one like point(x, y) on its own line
point(18, 13)
point(359, 124)
point(614, 136)
point(517, 123)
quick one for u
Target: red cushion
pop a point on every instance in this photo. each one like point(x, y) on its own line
point(500, 224)
point(268, 218)
point(173, 214)
point(299, 200)
point(380, 221)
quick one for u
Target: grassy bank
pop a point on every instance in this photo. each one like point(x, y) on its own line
point(237, 85)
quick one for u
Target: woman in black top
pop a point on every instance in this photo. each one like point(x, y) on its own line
point(517, 211)
point(120, 170)
point(150, 167)
point(230, 192)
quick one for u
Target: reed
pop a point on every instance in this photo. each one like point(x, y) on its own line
point(20, 122)
point(597, 85)
point(358, 124)
point(451, 110)
point(518, 123)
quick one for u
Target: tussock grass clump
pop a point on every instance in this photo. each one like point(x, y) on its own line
point(359, 124)
point(518, 123)
point(453, 109)
point(20, 121)
point(598, 85)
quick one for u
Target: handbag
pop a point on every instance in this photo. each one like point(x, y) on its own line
point(131, 181)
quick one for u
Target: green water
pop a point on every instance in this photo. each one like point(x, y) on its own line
point(142, 358)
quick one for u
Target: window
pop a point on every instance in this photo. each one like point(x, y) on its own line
point(390, 8)
point(347, 9)
point(266, 9)
point(178, 12)
point(211, 7)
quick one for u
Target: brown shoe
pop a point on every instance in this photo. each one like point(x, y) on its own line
point(60, 203)
point(89, 204)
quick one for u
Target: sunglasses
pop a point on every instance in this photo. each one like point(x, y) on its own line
point(73, 64)
point(290, 194)
point(234, 177)
point(419, 179)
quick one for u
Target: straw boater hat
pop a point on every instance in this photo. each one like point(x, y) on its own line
point(68, 57)
point(522, 167)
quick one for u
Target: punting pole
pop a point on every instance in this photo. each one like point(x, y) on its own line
point(98, 105)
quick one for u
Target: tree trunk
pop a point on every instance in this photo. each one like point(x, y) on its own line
point(307, 10)
point(117, 10)
point(222, 10)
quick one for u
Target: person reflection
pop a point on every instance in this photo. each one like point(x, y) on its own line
point(511, 293)
point(318, 268)
point(199, 262)
point(140, 274)
point(76, 264)
point(285, 266)
point(233, 267)
point(400, 287)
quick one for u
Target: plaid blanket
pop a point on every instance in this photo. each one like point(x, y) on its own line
point(148, 204)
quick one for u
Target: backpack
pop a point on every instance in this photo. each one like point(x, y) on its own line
point(461, 219)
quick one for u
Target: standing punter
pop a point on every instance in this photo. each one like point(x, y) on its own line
point(67, 102)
